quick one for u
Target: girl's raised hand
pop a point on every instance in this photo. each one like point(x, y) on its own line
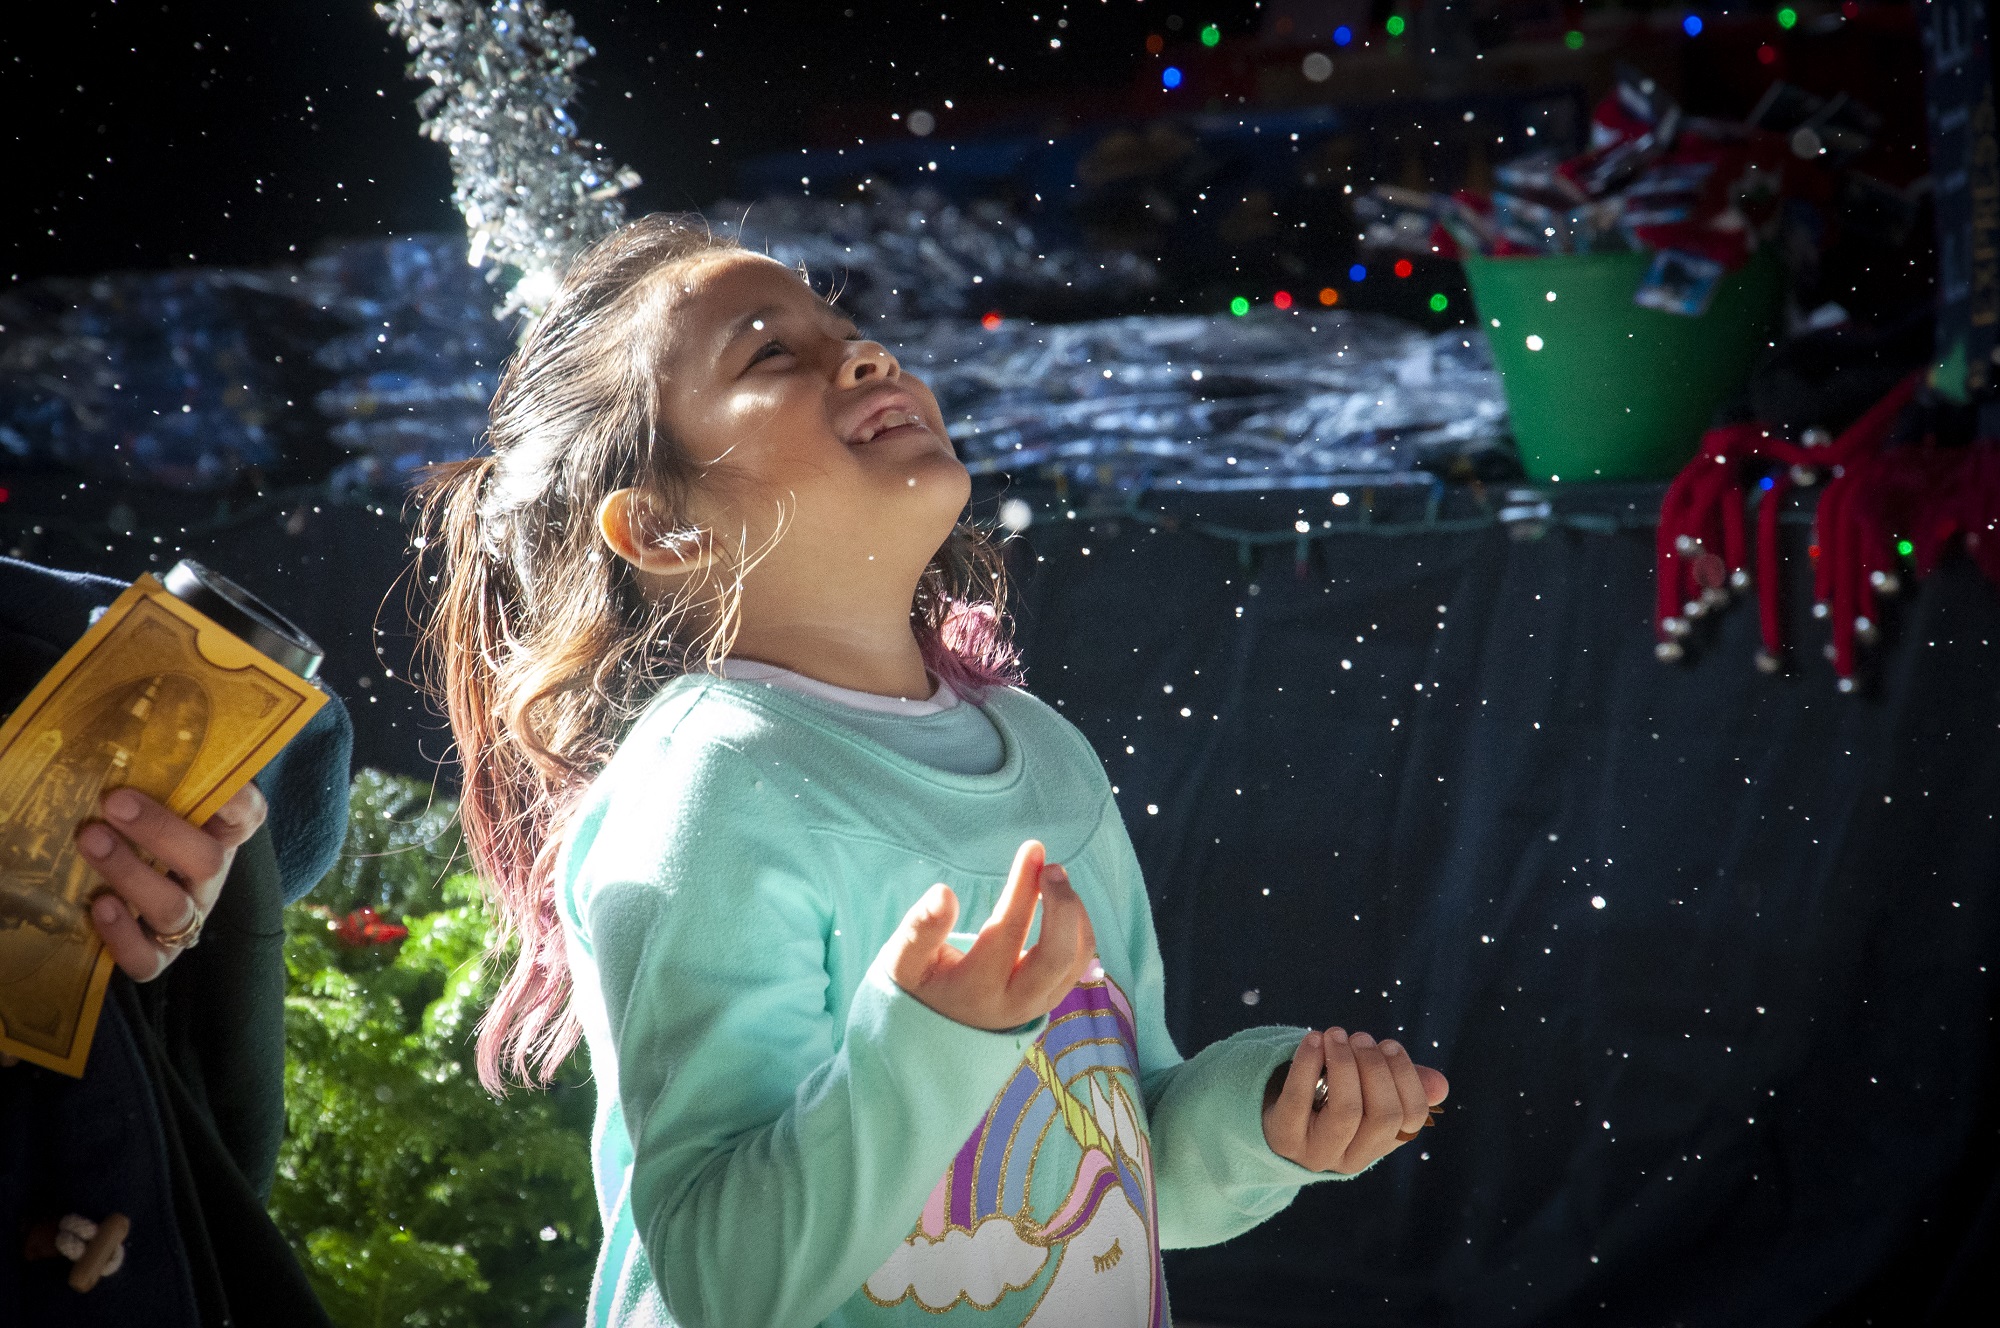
point(996, 985)
point(1377, 1099)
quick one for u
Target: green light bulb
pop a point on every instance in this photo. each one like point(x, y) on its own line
point(1395, 25)
point(1905, 548)
point(1573, 39)
point(1788, 18)
point(1438, 303)
point(1239, 306)
point(1210, 35)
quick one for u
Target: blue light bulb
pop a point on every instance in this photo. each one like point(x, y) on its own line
point(1343, 35)
point(1691, 25)
point(1357, 273)
point(1170, 77)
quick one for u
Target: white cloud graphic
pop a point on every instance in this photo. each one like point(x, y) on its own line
point(981, 1267)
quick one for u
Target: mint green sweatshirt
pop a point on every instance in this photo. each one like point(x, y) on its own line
point(784, 1137)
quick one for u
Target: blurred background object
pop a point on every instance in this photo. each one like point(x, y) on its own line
point(986, 168)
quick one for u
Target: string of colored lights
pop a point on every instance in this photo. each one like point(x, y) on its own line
point(1318, 68)
point(1329, 296)
point(1396, 26)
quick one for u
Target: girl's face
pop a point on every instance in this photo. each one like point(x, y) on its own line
point(805, 431)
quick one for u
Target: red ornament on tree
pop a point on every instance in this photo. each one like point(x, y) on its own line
point(364, 926)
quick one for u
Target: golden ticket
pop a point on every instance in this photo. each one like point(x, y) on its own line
point(156, 697)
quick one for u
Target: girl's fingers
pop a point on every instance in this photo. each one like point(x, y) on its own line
point(164, 904)
point(998, 945)
point(131, 949)
point(197, 856)
point(1335, 1125)
point(1409, 1088)
point(1382, 1105)
point(1436, 1086)
point(1292, 1113)
point(1059, 957)
point(1086, 946)
point(921, 941)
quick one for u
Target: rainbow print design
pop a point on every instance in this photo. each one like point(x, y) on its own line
point(1046, 1215)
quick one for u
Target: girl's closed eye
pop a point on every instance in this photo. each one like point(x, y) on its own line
point(775, 346)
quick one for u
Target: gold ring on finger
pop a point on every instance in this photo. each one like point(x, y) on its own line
point(186, 936)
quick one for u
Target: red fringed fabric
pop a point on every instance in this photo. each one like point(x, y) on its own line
point(1876, 499)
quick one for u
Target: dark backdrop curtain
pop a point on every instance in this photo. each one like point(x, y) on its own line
point(1755, 1085)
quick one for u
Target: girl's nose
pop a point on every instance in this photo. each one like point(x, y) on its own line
point(867, 361)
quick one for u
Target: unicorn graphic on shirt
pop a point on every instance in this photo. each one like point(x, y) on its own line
point(1047, 1212)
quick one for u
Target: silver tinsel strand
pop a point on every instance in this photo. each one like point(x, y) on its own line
point(502, 77)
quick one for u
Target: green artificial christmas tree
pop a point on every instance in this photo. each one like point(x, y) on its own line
point(413, 1196)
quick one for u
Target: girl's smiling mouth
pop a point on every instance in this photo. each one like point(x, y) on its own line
point(891, 415)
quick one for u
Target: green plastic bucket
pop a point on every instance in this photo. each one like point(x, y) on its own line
point(1616, 391)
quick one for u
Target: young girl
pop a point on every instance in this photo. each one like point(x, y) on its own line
point(732, 690)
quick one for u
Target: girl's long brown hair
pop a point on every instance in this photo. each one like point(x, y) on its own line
point(542, 648)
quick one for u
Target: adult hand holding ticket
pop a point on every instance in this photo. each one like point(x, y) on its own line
point(165, 873)
point(180, 692)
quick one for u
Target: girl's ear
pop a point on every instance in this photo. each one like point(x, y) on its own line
point(628, 526)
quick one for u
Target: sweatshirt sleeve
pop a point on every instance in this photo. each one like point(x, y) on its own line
point(1214, 1174)
point(778, 1158)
